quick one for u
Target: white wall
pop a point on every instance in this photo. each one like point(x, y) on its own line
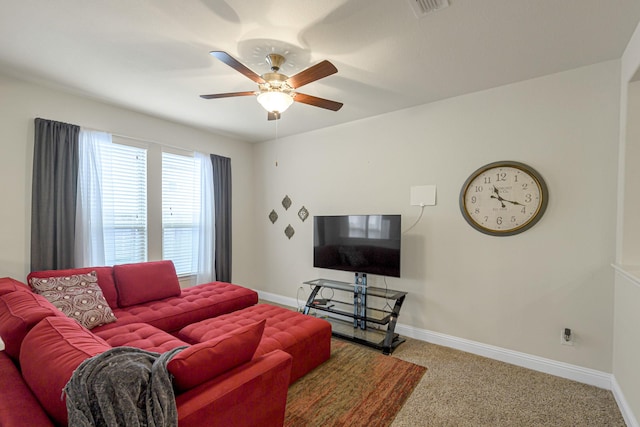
point(22, 102)
point(626, 345)
point(513, 292)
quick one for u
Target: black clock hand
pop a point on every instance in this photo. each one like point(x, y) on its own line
point(515, 203)
point(497, 196)
point(500, 199)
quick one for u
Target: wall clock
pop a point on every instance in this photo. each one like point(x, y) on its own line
point(503, 198)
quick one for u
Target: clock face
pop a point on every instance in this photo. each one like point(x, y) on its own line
point(503, 198)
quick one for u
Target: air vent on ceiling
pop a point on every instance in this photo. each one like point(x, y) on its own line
point(423, 7)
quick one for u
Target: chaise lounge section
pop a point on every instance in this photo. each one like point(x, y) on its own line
point(303, 337)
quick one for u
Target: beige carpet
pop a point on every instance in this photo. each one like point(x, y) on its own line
point(461, 389)
point(464, 390)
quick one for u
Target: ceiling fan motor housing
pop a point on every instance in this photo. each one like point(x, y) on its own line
point(275, 80)
point(275, 61)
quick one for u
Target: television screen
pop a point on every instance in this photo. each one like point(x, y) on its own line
point(359, 243)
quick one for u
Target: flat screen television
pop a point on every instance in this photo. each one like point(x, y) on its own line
point(359, 243)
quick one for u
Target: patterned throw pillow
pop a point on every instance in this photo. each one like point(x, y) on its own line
point(77, 296)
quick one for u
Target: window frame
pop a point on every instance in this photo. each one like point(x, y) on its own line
point(196, 178)
point(154, 192)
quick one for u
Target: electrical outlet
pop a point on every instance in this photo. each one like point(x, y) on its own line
point(566, 336)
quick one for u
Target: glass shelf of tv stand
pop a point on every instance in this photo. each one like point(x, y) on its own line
point(345, 286)
point(374, 315)
point(347, 324)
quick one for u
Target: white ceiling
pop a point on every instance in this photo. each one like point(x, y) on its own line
point(152, 55)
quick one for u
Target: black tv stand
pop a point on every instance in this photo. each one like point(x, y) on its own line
point(355, 320)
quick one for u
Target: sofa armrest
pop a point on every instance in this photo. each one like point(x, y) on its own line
point(254, 394)
point(18, 406)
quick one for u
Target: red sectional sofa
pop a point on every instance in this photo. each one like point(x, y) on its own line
point(239, 360)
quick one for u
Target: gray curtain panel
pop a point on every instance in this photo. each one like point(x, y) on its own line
point(53, 198)
point(222, 200)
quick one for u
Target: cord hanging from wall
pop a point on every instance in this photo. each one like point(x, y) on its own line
point(417, 220)
point(421, 195)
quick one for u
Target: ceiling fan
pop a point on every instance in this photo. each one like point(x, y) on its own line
point(276, 91)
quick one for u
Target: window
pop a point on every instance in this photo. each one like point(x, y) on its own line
point(141, 201)
point(124, 202)
point(180, 211)
point(111, 216)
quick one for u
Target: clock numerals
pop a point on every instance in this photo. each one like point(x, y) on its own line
point(500, 177)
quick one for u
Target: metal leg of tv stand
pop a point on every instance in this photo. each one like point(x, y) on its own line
point(390, 336)
point(312, 297)
point(360, 301)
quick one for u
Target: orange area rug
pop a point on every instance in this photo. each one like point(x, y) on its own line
point(357, 386)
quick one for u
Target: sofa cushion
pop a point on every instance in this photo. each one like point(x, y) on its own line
point(50, 353)
point(306, 338)
point(141, 335)
point(253, 394)
point(18, 406)
point(193, 305)
point(145, 281)
point(8, 285)
point(105, 280)
point(19, 312)
point(201, 362)
point(78, 296)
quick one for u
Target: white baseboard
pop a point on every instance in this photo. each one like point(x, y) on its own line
point(279, 299)
point(536, 363)
point(627, 413)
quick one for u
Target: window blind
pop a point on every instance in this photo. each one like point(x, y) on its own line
point(124, 170)
point(180, 211)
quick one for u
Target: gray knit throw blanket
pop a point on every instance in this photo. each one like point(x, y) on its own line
point(124, 386)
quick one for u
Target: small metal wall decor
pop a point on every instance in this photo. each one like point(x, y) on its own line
point(303, 213)
point(289, 231)
point(273, 216)
point(286, 202)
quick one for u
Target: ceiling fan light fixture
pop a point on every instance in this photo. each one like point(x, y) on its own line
point(275, 101)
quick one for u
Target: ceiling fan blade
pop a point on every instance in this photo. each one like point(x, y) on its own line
point(317, 102)
point(273, 115)
point(237, 65)
point(311, 74)
point(226, 95)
